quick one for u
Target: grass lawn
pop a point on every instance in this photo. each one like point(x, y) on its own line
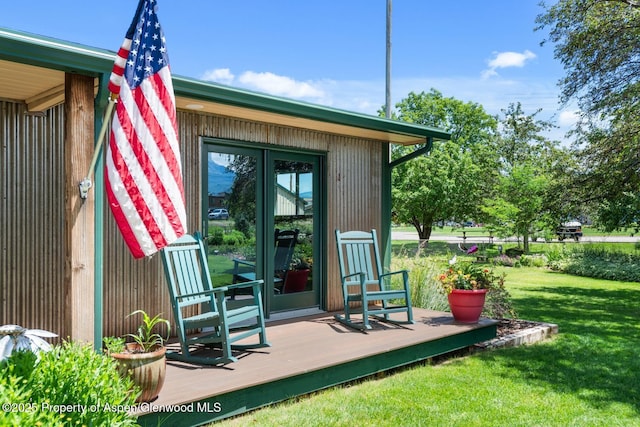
point(588, 375)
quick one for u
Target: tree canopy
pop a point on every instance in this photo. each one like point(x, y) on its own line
point(452, 179)
point(598, 43)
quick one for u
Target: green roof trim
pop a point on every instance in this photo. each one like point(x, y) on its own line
point(66, 56)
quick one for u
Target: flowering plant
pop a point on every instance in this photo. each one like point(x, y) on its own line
point(468, 275)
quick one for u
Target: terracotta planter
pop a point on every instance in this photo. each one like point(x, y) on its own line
point(147, 370)
point(466, 305)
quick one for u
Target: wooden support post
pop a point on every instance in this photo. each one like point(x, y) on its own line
point(79, 213)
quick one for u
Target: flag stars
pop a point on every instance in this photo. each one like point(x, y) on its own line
point(148, 48)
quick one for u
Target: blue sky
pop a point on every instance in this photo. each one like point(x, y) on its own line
point(332, 52)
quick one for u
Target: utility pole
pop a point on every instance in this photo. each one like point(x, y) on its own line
point(388, 73)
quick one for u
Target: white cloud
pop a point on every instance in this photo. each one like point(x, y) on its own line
point(270, 83)
point(219, 75)
point(507, 60)
point(280, 85)
point(568, 117)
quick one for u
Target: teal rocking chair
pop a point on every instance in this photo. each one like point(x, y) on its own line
point(190, 290)
point(364, 282)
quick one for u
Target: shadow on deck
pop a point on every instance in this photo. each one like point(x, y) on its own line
point(307, 354)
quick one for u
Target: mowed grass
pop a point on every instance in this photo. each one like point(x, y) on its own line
point(587, 375)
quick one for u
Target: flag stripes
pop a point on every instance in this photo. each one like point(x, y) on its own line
point(143, 170)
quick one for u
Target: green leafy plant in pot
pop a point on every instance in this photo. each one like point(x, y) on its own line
point(143, 360)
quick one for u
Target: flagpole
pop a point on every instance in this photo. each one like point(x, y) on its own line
point(387, 108)
point(86, 183)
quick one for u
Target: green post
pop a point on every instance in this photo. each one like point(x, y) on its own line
point(385, 232)
point(98, 188)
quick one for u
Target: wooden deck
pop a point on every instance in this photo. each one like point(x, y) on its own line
point(307, 354)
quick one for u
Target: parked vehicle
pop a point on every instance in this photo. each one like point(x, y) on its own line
point(571, 230)
point(218, 214)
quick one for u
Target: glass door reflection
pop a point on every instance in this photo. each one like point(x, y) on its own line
point(231, 215)
point(293, 210)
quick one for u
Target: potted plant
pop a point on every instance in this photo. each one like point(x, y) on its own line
point(466, 285)
point(143, 360)
point(296, 278)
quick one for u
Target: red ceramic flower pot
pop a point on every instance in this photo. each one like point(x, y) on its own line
point(466, 305)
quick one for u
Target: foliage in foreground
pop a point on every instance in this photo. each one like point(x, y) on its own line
point(69, 385)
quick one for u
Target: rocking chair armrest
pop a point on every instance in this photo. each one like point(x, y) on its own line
point(243, 262)
point(405, 277)
point(348, 276)
point(253, 283)
point(404, 272)
point(197, 294)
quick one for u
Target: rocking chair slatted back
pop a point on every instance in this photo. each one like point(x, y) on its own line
point(187, 274)
point(364, 282)
point(359, 251)
point(187, 280)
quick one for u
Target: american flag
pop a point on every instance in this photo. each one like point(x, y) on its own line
point(143, 171)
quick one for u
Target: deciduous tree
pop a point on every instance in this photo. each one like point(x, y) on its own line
point(598, 42)
point(450, 181)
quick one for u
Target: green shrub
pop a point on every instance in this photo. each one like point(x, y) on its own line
point(596, 261)
point(498, 303)
point(602, 263)
point(504, 260)
point(533, 261)
point(216, 235)
point(69, 374)
point(19, 364)
point(234, 238)
point(18, 406)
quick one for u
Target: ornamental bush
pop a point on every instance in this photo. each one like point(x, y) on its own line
point(601, 263)
point(69, 385)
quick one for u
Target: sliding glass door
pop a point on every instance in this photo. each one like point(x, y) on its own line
point(262, 214)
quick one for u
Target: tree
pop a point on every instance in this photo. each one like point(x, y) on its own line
point(597, 42)
point(242, 199)
point(527, 158)
point(519, 207)
point(434, 187)
point(451, 180)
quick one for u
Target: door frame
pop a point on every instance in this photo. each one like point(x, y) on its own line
point(266, 154)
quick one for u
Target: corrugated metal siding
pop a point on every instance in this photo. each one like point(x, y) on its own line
point(32, 213)
point(353, 171)
point(31, 218)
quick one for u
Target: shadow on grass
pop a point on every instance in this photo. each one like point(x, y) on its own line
point(595, 356)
